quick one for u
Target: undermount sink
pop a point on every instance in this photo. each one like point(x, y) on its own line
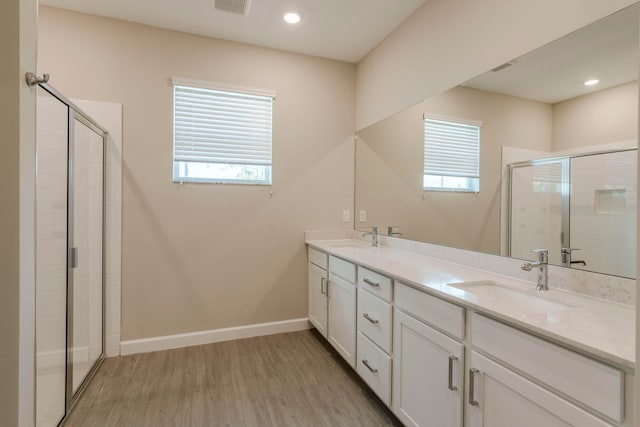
point(514, 299)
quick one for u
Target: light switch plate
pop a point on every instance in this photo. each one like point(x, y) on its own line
point(363, 216)
point(346, 217)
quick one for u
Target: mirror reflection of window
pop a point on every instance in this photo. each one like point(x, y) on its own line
point(451, 155)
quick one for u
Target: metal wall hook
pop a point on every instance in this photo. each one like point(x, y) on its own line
point(33, 79)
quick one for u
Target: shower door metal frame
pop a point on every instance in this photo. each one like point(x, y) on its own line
point(565, 191)
point(76, 113)
point(71, 396)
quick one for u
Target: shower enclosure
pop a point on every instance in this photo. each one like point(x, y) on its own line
point(70, 254)
point(581, 208)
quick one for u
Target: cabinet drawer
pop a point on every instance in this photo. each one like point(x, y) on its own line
point(375, 283)
point(318, 258)
point(342, 268)
point(374, 366)
point(374, 319)
point(590, 382)
point(439, 313)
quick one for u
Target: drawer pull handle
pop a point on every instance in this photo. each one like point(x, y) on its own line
point(472, 384)
point(369, 282)
point(323, 284)
point(365, 362)
point(369, 318)
point(451, 360)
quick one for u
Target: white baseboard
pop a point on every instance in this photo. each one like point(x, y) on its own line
point(168, 342)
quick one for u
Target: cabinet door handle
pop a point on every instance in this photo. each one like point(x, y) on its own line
point(323, 284)
point(369, 318)
point(472, 384)
point(365, 362)
point(451, 360)
point(369, 282)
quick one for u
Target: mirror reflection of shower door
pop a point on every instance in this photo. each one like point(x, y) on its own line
point(536, 220)
point(86, 250)
point(51, 260)
point(603, 212)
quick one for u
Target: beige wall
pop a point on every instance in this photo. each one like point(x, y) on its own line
point(447, 42)
point(603, 117)
point(17, 191)
point(201, 256)
point(389, 168)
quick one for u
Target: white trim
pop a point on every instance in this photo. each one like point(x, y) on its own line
point(168, 342)
point(440, 117)
point(202, 84)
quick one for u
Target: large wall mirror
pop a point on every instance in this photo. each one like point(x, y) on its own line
point(528, 155)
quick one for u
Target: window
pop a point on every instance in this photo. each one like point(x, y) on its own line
point(220, 134)
point(547, 178)
point(451, 155)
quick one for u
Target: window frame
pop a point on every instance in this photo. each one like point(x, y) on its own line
point(472, 184)
point(177, 177)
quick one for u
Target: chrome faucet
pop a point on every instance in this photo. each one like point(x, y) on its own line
point(374, 236)
point(391, 231)
point(566, 257)
point(541, 264)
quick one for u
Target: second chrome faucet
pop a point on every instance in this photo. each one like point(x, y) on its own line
point(541, 265)
point(374, 236)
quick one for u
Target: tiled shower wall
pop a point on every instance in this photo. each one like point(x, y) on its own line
point(51, 244)
point(604, 204)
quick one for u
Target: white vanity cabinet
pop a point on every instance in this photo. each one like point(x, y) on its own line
point(332, 301)
point(428, 367)
point(341, 294)
point(374, 322)
point(515, 378)
point(439, 364)
point(317, 292)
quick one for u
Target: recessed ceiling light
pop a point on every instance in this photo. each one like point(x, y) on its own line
point(591, 82)
point(292, 17)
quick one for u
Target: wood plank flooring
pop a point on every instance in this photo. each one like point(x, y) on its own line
point(292, 379)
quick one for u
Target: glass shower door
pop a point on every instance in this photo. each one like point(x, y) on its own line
point(86, 249)
point(536, 220)
point(69, 254)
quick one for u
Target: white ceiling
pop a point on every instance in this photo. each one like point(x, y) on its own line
point(339, 29)
point(606, 50)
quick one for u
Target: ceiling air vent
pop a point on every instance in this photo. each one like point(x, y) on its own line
point(503, 66)
point(240, 7)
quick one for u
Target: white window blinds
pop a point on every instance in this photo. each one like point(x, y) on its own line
point(221, 135)
point(451, 155)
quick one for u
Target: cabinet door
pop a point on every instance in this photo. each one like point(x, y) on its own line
point(318, 298)
point(342, 317)
point(499, 397)
point(427, 375)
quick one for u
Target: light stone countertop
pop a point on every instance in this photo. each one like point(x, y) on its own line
point(602, 329)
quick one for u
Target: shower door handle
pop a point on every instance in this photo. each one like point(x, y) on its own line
point(73, 257)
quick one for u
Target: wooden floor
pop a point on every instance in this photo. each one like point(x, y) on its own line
point(292, 379)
